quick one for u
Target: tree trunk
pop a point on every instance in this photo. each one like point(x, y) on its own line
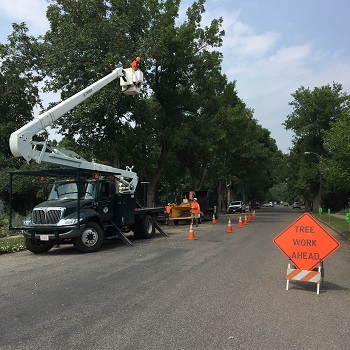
point(151, 190)
point(154, 178)
point(317, 202)
point(222, 205)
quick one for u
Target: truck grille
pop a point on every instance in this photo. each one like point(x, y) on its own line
point(46, 216)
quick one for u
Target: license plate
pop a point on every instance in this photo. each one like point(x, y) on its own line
point(44, 237)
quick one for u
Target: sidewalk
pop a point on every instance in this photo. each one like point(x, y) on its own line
point(339, 216)
point(8, 237)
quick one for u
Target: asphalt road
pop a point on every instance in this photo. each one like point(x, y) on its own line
point(221, 291)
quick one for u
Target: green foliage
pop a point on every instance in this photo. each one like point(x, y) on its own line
point(19, 77)
point(321, 145)
point(27, 191)
point(278, 193)
point(20, 74)
point(337, 144)
point(313, 113)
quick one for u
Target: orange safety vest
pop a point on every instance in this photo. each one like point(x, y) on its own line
point(134, 65)
point(167, 209)
point(195, 208)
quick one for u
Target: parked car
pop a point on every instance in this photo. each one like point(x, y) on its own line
point(236, 206)
point(269, 204)
point(296, 205)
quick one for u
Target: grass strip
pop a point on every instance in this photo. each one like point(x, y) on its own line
point(12, 245)
point(339, 225)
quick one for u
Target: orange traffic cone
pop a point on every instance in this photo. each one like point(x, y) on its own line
point(245, 219)
point(248, 216)
point(213, 221)
point(240, 224)
point(229, 226)
point(254, 215)
point(191, 234)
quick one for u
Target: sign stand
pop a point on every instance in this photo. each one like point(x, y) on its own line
point(314, 276)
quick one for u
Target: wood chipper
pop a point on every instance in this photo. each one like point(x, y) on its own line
point(182, 211)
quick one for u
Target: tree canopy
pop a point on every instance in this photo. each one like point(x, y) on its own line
point(318, 166)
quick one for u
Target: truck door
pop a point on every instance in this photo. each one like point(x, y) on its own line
point(105, 201)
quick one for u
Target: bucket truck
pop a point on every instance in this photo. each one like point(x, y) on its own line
point(90, 202)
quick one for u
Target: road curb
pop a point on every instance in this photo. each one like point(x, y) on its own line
point(339, 232)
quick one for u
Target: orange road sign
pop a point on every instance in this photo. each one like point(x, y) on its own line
point(306, 243)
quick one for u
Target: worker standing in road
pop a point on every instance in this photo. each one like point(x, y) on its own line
point(195, 211)
point(167, 213)
point(135, 63)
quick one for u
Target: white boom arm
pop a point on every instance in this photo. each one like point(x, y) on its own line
point(22, 144)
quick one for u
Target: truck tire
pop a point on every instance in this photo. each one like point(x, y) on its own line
point(36, 246)
point(91, 239)
point(147, 227)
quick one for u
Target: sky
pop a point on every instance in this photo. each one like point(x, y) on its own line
point(271, 48)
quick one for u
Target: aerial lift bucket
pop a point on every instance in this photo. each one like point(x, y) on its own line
point(131, 82)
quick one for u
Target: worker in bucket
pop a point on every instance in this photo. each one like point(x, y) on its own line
point(195, 211)
point(135, 63)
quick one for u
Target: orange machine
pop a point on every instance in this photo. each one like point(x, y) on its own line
point(182, 211)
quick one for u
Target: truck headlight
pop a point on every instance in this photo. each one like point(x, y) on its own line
point(27, 221)
point(67, 222)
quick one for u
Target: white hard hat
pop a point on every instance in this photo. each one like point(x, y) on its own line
point(194, 199)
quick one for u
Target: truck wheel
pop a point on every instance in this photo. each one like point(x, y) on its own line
point(36, 246)
point(91, 238)
point(147, 227)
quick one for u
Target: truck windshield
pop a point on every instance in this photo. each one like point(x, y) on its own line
point(69, 190)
